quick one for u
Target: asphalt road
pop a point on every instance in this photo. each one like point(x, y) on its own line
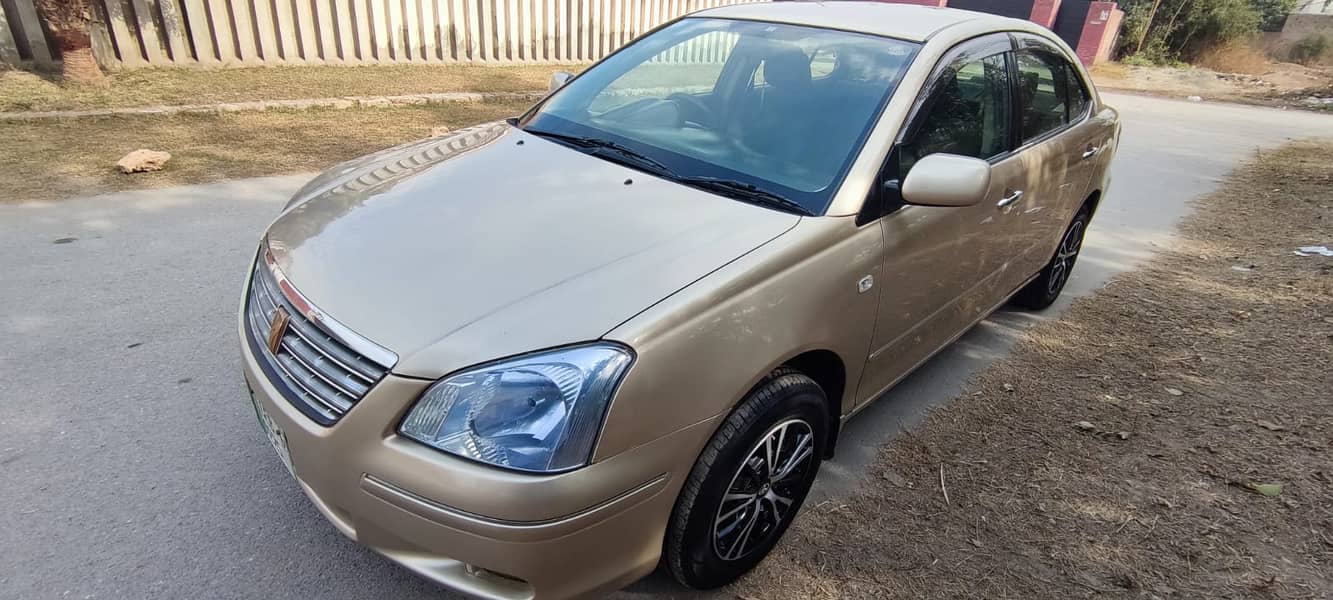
point(131, 460)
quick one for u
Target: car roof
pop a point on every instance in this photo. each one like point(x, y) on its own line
point(902, 21)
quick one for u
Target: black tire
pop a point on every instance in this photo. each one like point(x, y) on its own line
point(1043, 291)
point(785, 403)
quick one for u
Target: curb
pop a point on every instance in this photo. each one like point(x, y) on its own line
point(260, 105)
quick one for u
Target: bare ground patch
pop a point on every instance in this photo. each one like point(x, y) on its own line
point(58, 158)
point(1124, 449)
point(1277, 85)
point(25, 90)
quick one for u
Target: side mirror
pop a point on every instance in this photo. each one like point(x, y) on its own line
point(946, 180)
point(559, 79)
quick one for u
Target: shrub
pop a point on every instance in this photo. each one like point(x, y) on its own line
point(1310, 49)
point(1138, 60)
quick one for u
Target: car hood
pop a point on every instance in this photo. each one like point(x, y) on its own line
point(493, 242)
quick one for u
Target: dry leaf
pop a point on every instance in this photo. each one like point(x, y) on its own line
point(1266, 489)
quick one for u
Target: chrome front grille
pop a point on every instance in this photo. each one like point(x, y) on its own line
point(318, 371)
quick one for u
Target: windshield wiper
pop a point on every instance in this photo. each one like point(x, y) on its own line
point(731, 188)
point(745, 192)
point(594, 143)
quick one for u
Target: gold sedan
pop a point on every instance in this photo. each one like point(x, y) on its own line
point(535, 358)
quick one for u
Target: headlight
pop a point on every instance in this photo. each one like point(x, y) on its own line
point(540, 412)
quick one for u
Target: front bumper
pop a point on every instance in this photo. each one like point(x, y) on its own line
point(473, 528)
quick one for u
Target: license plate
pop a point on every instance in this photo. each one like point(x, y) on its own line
point(273, 433)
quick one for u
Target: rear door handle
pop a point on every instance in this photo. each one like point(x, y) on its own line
point(1090, 152)
point(1010, 199)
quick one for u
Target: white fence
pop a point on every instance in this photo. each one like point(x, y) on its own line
point(140, 33)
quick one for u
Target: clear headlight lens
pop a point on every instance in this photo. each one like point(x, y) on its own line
point(540, 412)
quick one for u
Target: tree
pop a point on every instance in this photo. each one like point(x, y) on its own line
point(1213, 23)
point(1273, 13)
point(68, 21)
point(1162, 31)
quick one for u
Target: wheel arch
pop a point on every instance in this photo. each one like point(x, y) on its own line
point(1093, 200)
point(827, 370)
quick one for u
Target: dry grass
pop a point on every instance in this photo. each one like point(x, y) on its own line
point(51, 159)
point(23, 90)
point(1236, 58)
point(1108, 72)
point(1197, 382)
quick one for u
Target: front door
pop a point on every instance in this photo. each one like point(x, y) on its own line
point(943, 266)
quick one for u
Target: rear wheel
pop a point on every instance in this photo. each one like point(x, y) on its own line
point(1043, 291)
point(749, 482)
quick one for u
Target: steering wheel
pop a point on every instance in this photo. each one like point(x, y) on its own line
point(692, 110)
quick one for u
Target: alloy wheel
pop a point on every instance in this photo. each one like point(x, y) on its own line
point(761, 494)
point(1063, 263)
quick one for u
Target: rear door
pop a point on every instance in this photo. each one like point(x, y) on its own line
point(1058, 142)
point(943, 265)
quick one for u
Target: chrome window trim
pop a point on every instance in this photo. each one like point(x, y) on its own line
point(372, 351)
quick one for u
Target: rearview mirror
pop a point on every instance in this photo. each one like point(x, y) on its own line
point(559, 79)
point(946, 180)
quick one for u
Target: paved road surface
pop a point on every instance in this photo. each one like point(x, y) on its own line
point(131, 461)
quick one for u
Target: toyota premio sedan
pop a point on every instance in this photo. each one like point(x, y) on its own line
point(538, 357)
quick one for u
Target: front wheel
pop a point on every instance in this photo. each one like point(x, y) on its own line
point(748, 484)
point(1042, 291)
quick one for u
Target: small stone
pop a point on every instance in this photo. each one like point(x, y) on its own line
point(1008, 387)
point(894, 478)
point(1174, 392)
point(439, 131)
point(64, 240)
point(143, 161)
point(1196, 98)
point(1124, 435)
point(1085, 426)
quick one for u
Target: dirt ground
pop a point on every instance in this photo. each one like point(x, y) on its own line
point(1168, 437)
point(50, 159)
point(1280, 85)
point(28, 91)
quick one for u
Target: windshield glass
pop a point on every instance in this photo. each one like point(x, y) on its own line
point(776, 112)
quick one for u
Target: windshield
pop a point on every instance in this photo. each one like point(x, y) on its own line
point(774, 112)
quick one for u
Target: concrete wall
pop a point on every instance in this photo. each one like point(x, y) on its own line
point(1297, 27)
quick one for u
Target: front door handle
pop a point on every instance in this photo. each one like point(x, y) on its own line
point(1090, 152)
point(1010, 199)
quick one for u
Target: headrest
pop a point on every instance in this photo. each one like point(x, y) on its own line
point(787, 67)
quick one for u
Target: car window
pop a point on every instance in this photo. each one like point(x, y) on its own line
point(967, 113)
point(1078, 95)
point(780, 109)
point(823, 62)
point(1042, 98)
point(674, 70)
